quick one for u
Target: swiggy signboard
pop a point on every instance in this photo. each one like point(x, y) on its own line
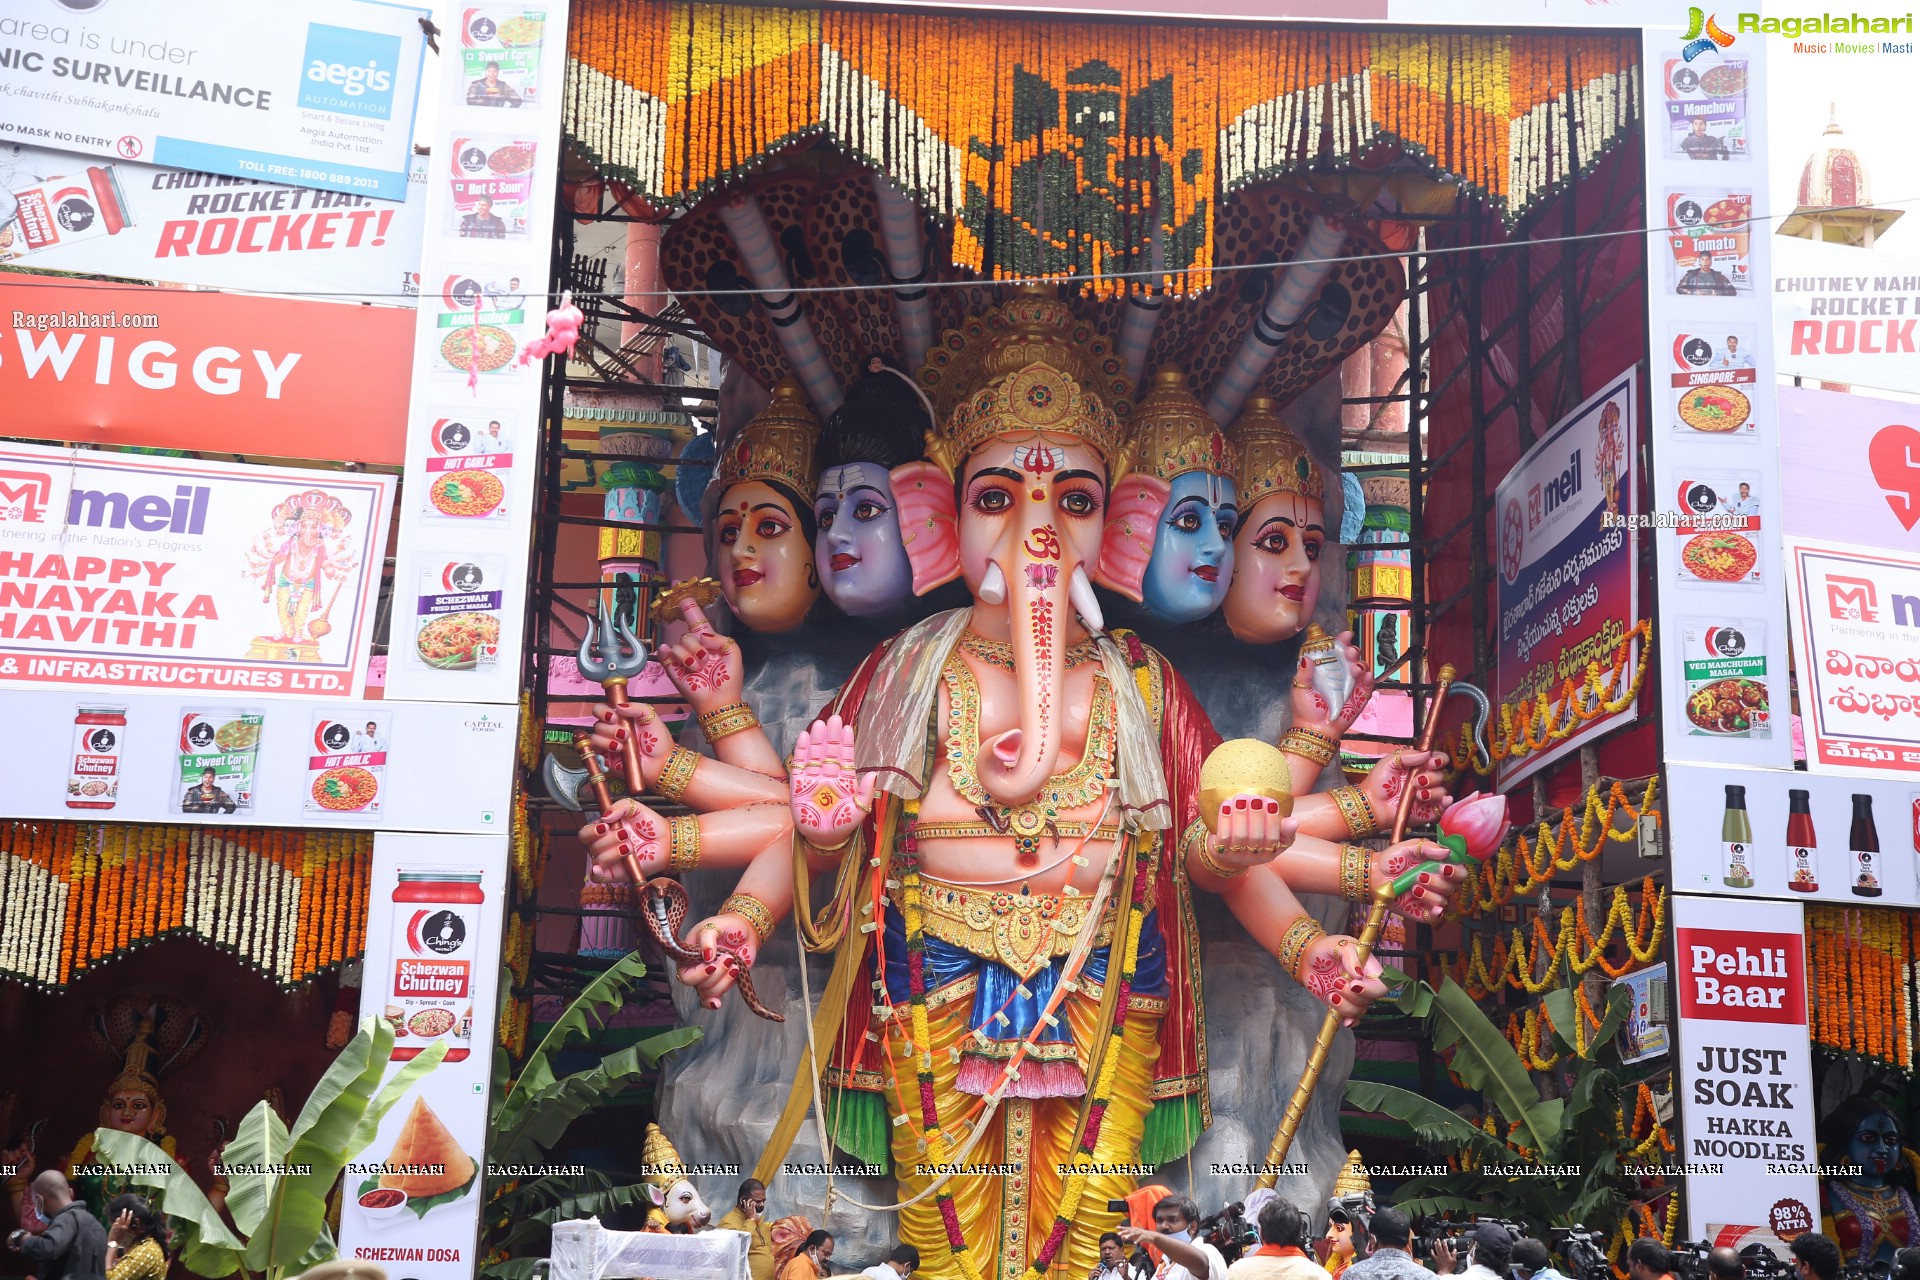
point(221, 373)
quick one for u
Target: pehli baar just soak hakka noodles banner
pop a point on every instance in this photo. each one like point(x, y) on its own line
point(137, 572)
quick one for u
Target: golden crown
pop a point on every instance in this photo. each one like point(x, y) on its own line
point(1353, 1180)
point(1024, 367)
point(660, 1160)
point(1272, 458)
point(776, 445)
point(1172, 434)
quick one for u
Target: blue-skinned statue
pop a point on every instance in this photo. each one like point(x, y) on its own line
point(1868, 1210)
point(858, 548)
point(1175, 440)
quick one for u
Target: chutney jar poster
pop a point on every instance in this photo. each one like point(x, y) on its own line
point(1711, 382)
point(1745, 1071)
point(1568, 588)
point(137, 572)
point(434, 924)
point(1856, 647)
point(1709, 233)
point(1707, 109)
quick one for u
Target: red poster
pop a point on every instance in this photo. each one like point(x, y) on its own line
point(209, 372)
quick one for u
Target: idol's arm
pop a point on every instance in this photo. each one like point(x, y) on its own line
point(730, 838)
point(676, 773)
point(1354, 872)
point(1325, 964)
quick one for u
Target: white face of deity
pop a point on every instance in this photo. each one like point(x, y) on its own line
point(766, 563)
point(1276, 571)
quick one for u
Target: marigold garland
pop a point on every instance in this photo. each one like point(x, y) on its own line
point(74, 895)
point(1860, 965)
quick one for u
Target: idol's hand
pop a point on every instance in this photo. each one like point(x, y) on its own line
point(1311, 710)
point(829, 797)
point(1431, 894)
point(628, 830)
point(1331, 969)
point(612, 726)
point(1250, 831)
point(704, 664)
point(726, 946)
point(1394, 774)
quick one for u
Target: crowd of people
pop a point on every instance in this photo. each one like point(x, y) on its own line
point(68, 1243)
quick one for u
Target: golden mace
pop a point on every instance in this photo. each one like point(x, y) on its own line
point(1383, 898)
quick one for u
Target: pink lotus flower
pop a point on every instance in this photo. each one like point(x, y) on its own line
point(1478, 822)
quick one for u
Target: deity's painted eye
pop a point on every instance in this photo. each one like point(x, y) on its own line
point(823, 516)
point(729, 534)
point(771, 527)
point(1078, 502)
point(867, 509)
point(992, 501)
point(1186, 519)
point(1274, 543)
point(1313, 548)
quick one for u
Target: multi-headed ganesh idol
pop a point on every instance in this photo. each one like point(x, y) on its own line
point(1012, 794)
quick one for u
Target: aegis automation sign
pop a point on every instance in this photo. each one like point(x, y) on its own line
point(134, 572)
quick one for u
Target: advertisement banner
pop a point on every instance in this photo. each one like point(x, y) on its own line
point(1569, 582)
point(1814, 837)
point(319, 93)
point(1707, 109)
point(486, 291)
point(123, 571)
point(204, 372)
point(117, 218)
point(1844, 315)
point(1856, 645)
point(111, 756)
point(1850, 468)
point(1745, 1074)
point(1710, 382)
point(434, 925)
point(1643, 1036)
point(1710, 238)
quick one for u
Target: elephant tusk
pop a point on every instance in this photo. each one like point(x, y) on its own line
point(1080, 595)
point(993, 585)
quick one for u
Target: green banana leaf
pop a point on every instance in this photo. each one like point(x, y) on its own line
point(532, 1210)
point(258, 1146)
point(390, 1094)
point(146, 1165)
point(1433, 1123)
point(1563, 1009)
point(1412, 997)
point(523, 1134)
point(609, 989)
point(1487, 1063)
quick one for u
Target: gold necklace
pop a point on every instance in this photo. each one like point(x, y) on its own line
point(1079, 786)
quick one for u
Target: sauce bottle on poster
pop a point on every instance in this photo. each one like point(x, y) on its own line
point(1803, 852)
point(1863, 841)
point(436, 924)
point(1736, 841)
point(99, 734)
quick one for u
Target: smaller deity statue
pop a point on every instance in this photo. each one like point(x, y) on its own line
point(859, 551)
point(763, 526)
point(1276, 549)
point(677, 1207)
point(1192, 563)
point(1348, 1213)
point(1869, 1211)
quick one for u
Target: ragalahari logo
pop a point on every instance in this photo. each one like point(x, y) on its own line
point(1703, 34)
point(24, 496)
point(1852, 599)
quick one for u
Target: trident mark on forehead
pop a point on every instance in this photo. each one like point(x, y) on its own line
point(1039, 459)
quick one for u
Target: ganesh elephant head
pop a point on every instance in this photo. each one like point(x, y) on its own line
point(1029, 500)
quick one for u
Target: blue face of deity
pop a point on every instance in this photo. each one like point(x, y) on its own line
point(1875, 1146)
point(863, 564)
point(1192, 564)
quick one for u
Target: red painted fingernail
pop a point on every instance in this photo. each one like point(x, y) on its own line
point(1272, 807)
point(1424, 877)
point(1354, 987)
point(600, 829)
point(1334, 999)
point(622, 735)
point(710, 968)
point(1239, 804)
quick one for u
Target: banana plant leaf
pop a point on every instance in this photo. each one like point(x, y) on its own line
point(1433, 1123)
point(257, 1149)
point(525, 1132)
point(146, 1165)
point(1412, 997)
point(609, 989)
point(562, 1205)
point(1562, 1009)
point(1487, 1063)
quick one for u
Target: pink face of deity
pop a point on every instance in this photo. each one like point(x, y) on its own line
point(1027, 506)
point(766, 558)
point(1276, 570)
point(130, 1111)
point(311, 527)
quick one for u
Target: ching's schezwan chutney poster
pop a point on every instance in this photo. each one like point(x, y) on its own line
point(133, 572)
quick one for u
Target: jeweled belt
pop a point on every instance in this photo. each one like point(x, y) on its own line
point(1022, 930)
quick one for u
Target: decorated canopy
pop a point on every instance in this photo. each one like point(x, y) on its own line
point(1062, 147)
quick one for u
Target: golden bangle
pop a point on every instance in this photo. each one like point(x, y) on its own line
point(1300, 935)
point(684, 847)
point(753, 911)
point(1317, 747)
point(735, 717)
point(1356, 810)
point(1356, 873)
point(1205, 855)
point(677, 776)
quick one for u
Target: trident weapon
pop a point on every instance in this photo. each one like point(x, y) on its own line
point(610, 655)
point(1383, 898)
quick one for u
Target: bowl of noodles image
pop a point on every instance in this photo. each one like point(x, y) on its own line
point(1715, 409)
point(346, 790)
point(458, 641)
point(1719, 557)
point(522, 32)
point(466, 493)
point(483, 348)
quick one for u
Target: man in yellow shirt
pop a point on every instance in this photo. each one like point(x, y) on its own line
point(749, 1214)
